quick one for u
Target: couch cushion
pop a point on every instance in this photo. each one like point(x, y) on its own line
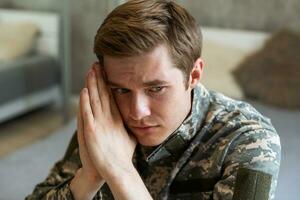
point(272, 74)
point(17, 39)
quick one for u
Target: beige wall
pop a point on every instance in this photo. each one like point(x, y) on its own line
point(268, 15)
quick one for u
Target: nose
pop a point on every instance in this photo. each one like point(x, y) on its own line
point(139, 107)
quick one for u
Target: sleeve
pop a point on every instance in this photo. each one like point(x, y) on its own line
point(56, 185)
point(251, 167)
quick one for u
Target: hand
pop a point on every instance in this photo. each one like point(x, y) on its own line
point(88, 169)
point(87, 180)
point(108, 144)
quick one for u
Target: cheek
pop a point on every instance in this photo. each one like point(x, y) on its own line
point(163, 107)
point(175, 105)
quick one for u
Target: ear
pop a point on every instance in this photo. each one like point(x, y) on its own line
point(196, 72)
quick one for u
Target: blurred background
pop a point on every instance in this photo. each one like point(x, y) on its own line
point(251, 52)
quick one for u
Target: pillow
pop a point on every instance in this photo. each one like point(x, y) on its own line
point(17, 39)
point(272, 74)
point(220, 59)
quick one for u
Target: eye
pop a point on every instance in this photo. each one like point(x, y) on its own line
point(120, 90)
point(156, 89)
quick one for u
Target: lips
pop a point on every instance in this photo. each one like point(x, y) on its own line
point(144, 129)
point(141, 125)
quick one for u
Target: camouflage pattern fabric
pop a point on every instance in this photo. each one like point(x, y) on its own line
point(200, 160)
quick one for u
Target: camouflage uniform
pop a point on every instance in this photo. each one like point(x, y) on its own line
point(223, 150)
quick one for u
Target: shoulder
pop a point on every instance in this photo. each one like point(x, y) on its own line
point(238, 131)
point(247, 136)
point(225, 111)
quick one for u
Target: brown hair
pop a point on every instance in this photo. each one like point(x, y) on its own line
point(138, 26)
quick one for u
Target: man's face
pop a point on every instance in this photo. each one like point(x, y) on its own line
point(150, 94)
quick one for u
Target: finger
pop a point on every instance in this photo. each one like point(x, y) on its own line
point(80, 138)
point(111, 101)
point(113, 106)
point(87, 73)
point(94, 93)
point(86, 111)
point(80, 127)
point(102, 87)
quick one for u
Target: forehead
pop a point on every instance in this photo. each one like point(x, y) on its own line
point(155, 64)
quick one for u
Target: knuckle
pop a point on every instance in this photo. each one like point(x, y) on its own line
point(95, 102)
point(89, 128)
point(87, 114)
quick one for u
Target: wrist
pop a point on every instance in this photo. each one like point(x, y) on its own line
point(126, 183)
point(85, 187)
point(92, 179)
point(116, 172)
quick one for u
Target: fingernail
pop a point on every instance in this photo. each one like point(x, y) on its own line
point(84, 90)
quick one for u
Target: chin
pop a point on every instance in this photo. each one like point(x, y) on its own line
point(150, 142)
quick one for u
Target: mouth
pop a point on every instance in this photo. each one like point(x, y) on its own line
point(144, 128)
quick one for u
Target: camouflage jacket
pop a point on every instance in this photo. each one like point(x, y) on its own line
point(223, 150)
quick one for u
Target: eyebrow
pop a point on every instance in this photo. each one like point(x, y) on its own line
point(145, 84)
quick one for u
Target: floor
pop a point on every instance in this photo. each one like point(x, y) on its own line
point(25, 129)
point(21, 170)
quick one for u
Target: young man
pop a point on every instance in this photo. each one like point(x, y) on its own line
point(148, 130)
